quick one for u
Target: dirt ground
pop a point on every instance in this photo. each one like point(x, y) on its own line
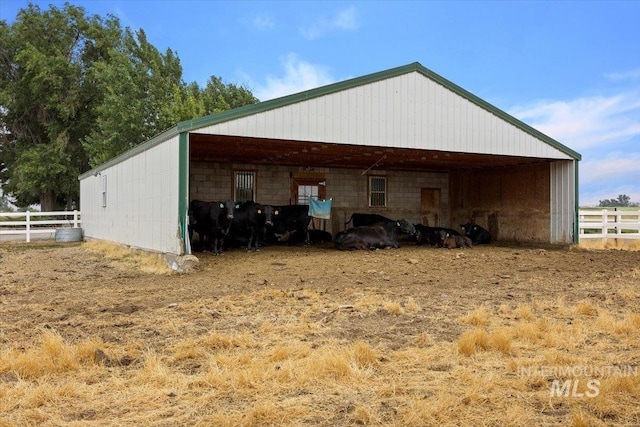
point(391, 299)
point(66, 288)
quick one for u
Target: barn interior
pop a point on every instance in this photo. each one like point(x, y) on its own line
point(508, 195)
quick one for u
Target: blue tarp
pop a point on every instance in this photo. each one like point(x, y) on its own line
point(320, 208)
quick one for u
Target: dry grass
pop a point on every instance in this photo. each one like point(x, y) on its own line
point(523, 339)
point(127, 257)
point(607, 244)
point(250, 341)
point(478, 317)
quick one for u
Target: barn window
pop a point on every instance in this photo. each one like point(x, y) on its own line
point(104, 191)
point(305, 192)
point(244, 186)
point(306, 185)
point(377, 191)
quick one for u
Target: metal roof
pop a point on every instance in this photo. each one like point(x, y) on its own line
point(200, 141)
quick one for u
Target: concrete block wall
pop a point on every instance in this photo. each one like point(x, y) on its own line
point(512, 203)
point(347, 187)
point(273, 185)
point(209, 181)
point(213, 181)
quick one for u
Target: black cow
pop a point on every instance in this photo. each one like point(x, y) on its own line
point(477, 234)
point(211, 220)
point(320, 236)
point(348, 240)
point(363, 219)
point(248, 225)
point(200, 221)
point(292, 221)
point(377, 236)
point(452, 241)
point(431, 235)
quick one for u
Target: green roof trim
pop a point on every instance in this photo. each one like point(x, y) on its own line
point(498, 112)
point(361, 81)
point(248, 110)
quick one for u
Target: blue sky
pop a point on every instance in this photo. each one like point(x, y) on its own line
point(570, 69)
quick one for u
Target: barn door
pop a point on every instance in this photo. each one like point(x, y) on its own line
point(304, 186)
point(430, 207)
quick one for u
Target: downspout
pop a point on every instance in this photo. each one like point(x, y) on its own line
point(183, 191)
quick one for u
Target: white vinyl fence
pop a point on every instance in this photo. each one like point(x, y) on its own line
point(605, 223)
point(35, 225)
point(609, 223)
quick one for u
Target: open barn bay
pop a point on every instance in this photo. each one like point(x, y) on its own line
point(495, 335)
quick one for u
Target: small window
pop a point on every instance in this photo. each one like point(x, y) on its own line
point(104, 191)
point(306, 191)
point(377, 191)
point(244, 186)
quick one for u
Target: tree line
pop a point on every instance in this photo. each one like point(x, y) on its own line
point(621, 201)
point(78, 89)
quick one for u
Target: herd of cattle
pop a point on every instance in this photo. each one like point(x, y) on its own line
point(251, 225)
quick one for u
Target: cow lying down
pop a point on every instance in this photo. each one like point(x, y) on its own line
point(477, 234)
point(452, 241)
point(377, 236)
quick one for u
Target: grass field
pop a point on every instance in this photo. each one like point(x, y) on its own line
point(93, 334)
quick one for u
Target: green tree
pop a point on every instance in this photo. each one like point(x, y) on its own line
point(5, 205)
point(47, 97)
point(186, 104)
point(622, 201)
point(77, 90)
point(145, 95)
point(139, 86)
point(218, 97)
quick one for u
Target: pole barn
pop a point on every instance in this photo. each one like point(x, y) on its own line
point(403, 143)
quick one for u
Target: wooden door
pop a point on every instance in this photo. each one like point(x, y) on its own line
point(305, 185)
point(430, 207)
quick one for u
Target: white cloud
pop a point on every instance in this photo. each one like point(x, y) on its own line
point(605, 177)
point(605, 129)
point(298, 76)
point(346, 19)
point(613, 167)
point(262, 22)
point(624, 75)
point(586, 122)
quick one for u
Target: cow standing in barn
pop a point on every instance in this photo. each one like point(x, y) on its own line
point(477, 234)
point(290, 222)
point(211, 220)
point(248, 225)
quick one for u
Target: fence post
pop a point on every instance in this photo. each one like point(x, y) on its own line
point(618, 221)
point(75, 218)
point(605, 226)
point(28, 221)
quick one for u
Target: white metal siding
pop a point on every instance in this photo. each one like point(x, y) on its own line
point(562, 201)
point(142, 200)
point(409, 110)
